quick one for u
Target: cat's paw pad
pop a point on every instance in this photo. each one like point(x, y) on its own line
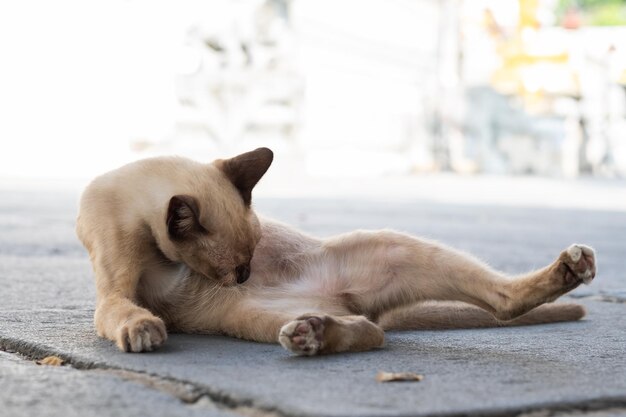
point(580, 263)
point(142, 334)
point(304, 336)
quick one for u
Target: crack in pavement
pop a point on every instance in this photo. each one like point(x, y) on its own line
point(190, 393)
point(573, 413)
point(187, 392)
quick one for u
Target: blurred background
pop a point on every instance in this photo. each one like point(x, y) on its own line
point(363, 96)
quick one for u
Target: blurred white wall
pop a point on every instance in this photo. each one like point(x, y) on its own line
point(80, 79)
point(369, 67)
point(338, 88)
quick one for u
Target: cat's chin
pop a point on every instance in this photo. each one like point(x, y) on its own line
point(229, 283)
point(227, 280)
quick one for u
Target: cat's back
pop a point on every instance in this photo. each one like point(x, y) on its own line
point(142, 178)
point(130, 195)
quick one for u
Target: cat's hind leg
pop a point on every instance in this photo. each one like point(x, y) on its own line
point(314, 334)
point(438, 315)
point(379, 271)
point(327, 327)
point(574, 266)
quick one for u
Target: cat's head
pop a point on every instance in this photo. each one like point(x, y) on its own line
point(215, 232)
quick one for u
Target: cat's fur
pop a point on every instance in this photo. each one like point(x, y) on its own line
point(173, 242)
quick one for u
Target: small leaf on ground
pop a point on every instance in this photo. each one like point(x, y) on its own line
point(398, 377)
point(50, 360)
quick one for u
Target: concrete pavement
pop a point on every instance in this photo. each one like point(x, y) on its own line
point(564, 369)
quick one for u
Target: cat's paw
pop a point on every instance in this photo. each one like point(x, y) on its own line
point(580, 265)
point(141, 334)
point(304, 336)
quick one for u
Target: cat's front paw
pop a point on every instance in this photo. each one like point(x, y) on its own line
point(304, 336)
point(580, 265)
point(141, 334)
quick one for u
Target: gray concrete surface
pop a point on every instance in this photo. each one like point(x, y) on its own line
point(37, 390)
point(565, 369)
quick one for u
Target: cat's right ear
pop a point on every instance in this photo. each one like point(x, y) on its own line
point(182, 216)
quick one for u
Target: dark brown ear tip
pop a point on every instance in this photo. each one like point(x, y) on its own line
point(181, 199)
point(244, 171)
point(266, 153)
point(181, 209)
point(175, 201)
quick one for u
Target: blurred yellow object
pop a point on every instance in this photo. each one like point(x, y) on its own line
point(528, 14)
point(527, 71)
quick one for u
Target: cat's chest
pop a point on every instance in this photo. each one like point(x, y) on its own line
point(161, 282)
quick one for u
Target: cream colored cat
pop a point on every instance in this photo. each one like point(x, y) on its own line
point(175, 245)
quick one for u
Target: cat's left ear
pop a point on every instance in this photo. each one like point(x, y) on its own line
point(245, 170)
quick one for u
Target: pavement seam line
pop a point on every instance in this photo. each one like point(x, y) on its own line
point(550, 410)
point(191, 393)
point(187, 392)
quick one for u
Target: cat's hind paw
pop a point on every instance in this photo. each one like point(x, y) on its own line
point(580, 261)
point(304, 336)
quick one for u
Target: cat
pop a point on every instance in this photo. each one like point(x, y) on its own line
point(176, 246)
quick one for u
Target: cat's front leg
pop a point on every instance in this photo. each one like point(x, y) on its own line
point(314, 334)
point(118, 317)
point(132, 328)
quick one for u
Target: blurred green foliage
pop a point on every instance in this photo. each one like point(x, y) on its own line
point(596, 12)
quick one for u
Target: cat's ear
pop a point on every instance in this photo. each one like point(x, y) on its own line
point(245, 170)
point(182, 216)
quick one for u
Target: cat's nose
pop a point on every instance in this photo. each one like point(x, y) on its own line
point(243, 273)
